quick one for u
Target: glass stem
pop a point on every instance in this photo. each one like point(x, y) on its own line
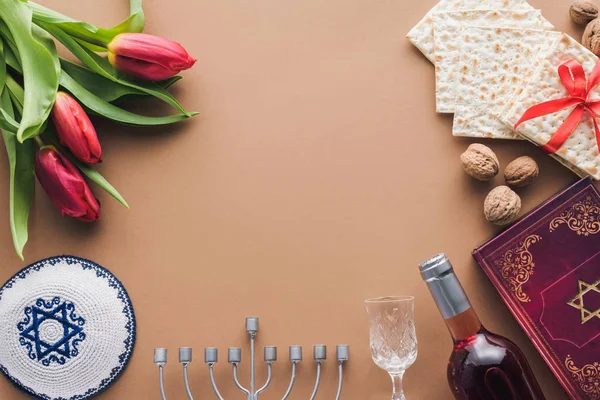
point(397, 393)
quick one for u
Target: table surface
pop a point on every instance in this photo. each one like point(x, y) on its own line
point(316, 175)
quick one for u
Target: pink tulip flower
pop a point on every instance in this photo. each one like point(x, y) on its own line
point(148, 57)
point(65, 185)
point(75, 130)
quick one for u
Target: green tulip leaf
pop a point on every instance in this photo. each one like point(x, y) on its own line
point(91, 46)
point(7, 36)
point(108, 110)
point(136, 21)
point(95, 176)
point(21, 159)
point(12, 60)
point(16, 92)
point(17, 95)
point(89, 33)
point(167, 83)
point(41, 82)
point(8, 122)
point(102, 87)
point(2, 65)
point(102, 67)
point(10, 48)
point(46, 40)
point(7, 118)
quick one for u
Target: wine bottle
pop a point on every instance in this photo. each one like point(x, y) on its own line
point(483, 365)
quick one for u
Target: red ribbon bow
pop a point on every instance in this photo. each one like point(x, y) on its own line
point(573, 78)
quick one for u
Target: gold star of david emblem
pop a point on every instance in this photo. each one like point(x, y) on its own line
point(577, 301)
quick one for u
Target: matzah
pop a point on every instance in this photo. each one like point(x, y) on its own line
point(447, 40)
point(580, 150)
point(422, 34)
point(495, 65)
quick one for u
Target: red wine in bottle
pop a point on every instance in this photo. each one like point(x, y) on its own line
point(483, 365)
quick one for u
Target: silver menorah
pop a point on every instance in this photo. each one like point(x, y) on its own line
point(211, 357)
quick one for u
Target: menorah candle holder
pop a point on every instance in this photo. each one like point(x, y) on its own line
point(234, 357)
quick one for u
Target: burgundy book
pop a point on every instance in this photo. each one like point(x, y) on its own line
point(546, 267)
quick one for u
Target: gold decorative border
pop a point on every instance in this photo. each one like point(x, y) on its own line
point(516, 266)
point(588, 377)
point(583, 217)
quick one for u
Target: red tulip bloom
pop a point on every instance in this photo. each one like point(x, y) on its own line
point(65, 185)
point(148, 57)
point(75, 130)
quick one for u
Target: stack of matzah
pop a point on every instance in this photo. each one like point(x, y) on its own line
point(493, 60)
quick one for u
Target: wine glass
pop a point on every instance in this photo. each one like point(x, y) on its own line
point(393, 336)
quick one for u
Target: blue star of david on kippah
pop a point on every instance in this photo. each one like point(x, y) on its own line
point(51, 331)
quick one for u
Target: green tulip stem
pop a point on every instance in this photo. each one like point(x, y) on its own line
point(39, 141)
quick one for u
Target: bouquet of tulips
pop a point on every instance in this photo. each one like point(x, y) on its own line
point(45, 101)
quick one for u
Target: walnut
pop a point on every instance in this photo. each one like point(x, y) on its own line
point(502, 206)
point(583, 11)
point(480, 162)
point(521, 172)
point(591, 36)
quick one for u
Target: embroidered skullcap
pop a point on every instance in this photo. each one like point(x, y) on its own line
point(67, 329)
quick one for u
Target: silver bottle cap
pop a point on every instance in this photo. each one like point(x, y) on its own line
point(435, 266)
point(444, 286)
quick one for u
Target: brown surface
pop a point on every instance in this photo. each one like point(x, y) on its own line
point(317, 175)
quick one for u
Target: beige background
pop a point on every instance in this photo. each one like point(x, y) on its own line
point(318, 174)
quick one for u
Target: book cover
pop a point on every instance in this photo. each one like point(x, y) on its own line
point(546, 267)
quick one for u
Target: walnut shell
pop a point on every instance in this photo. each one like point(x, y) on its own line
point(591, 36)
point(502, 206)
point(583, 11)
point(480, 162)
point(521, 172)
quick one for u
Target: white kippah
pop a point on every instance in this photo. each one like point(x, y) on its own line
point(67, 329)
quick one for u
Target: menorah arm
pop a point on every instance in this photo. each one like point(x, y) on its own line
point(237, 382)
point(292, 380)
point(252, 370)
point(317, 382)
point(269, 376)
point(340, 376)
point(162, 383)
point(186, 381)
point(342, 355)
point(213, 382)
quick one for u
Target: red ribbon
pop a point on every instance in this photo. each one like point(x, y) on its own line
point(573, 78)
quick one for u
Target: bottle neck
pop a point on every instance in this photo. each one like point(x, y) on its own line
point(452, 301)
point(463, 325)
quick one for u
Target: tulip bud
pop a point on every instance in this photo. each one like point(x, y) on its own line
point(148, 57)
point(65, 185)
point(75, 130)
